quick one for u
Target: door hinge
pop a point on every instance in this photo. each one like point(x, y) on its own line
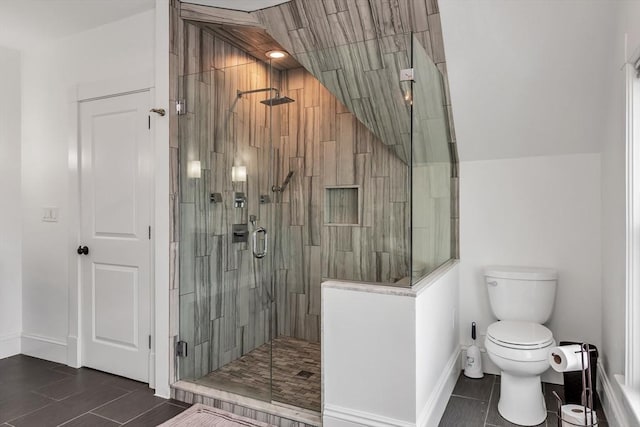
point(181, 349)
point(181, 107)
point(149, 342)
point(149, 232)
point(149, 122)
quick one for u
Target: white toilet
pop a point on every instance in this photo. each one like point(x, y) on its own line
point(522, 298)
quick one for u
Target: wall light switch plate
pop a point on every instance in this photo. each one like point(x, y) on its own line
point(50, 214)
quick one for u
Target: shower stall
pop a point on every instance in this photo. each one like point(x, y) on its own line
point(284, 181)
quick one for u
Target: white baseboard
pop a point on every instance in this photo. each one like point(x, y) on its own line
point(334, 416)
point(9, 345)
point(432, 412)
point(73, 355)
point(44, 348)
point(611, 403)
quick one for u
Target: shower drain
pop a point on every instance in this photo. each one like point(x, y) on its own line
point(304, 374)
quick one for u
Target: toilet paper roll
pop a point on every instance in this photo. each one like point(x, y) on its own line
point(567, 358)
point(573, 415)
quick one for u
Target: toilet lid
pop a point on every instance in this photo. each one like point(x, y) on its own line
point(516, 334)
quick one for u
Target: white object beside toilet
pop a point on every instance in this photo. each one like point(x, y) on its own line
point(522, 298)
point(574, 415)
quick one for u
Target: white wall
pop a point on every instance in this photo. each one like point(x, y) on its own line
point(437, 346)
point(526, 77)
point(10, 216)
point(109, 52)
point(535, 211)
point(368, 348)
point(390, 355)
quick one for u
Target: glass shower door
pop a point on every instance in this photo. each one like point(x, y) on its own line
point(226, 300)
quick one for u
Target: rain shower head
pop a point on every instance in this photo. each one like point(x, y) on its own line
point(278, 100)
point(270, 102)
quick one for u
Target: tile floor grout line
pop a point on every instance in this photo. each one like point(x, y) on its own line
point(37, 393)
point(106, 418)
point(86, 412)
point(72, 419)
point(30, 412)
point(111, 401)
point(149, 410)
point(486, 415)
point(469, 397)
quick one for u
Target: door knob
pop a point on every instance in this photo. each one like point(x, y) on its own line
point(83, 250)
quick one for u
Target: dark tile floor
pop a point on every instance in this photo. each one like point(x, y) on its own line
point(38, 393)
point(474, 402)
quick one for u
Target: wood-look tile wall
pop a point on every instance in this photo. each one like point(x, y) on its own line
point(356, 49)
point(326, 147)
point(329, 138)
point(224, 305)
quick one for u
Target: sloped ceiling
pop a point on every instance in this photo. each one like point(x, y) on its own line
point(244, 5)
point(357, 49)
point(528, 77)
point(24, 23)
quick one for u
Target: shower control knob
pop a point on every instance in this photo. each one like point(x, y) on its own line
point(83, 250)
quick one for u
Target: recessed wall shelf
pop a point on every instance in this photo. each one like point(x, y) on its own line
point(342, 205)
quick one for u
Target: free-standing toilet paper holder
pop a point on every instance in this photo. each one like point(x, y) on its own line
point(587, 392)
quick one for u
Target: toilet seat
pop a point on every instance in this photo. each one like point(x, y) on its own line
point(519, 335)
point(519, 341)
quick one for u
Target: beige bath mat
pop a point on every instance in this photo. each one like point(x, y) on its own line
point(201, 415)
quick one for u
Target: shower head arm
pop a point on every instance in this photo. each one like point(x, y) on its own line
point(245, 92)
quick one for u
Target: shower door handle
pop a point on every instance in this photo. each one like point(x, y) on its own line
point(263, 252)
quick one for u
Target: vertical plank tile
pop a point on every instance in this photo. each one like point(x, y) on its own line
point(187, 333)
point(363, 179)
point(327, 115)
point(296, 191)
point(398, 241)
point(313, 193)
point(437, 42)
point(295, 263)
point(311, 124)
point(345, 149)
point(187, 249)
point(314, 262)
point(329, 163)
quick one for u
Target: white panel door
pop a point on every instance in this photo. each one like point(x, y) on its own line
point(116, 190)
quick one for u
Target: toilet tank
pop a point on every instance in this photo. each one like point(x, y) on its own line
point(521, 293)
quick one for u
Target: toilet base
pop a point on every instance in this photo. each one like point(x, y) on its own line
point(521, 400)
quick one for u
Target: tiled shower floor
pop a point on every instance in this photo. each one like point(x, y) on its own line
point(296, 374)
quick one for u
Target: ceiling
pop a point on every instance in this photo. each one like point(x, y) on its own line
point(255, 41)
point(24, 23)
point(528, 77)
point(245, 5)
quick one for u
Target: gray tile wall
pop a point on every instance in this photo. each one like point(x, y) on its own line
point(326, 146)
point(188, 397)
point(223, 290)
point(356, 49)
point(324, 152)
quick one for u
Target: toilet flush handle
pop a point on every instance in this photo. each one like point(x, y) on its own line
point(492, 283)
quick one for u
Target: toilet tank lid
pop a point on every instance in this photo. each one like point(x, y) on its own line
point(520, 273)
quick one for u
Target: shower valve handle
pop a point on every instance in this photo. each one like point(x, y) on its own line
point(256, 252)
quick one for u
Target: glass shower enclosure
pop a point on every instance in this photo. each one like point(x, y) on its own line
point(278, 194)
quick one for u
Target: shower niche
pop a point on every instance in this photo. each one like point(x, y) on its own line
point(342, 205)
